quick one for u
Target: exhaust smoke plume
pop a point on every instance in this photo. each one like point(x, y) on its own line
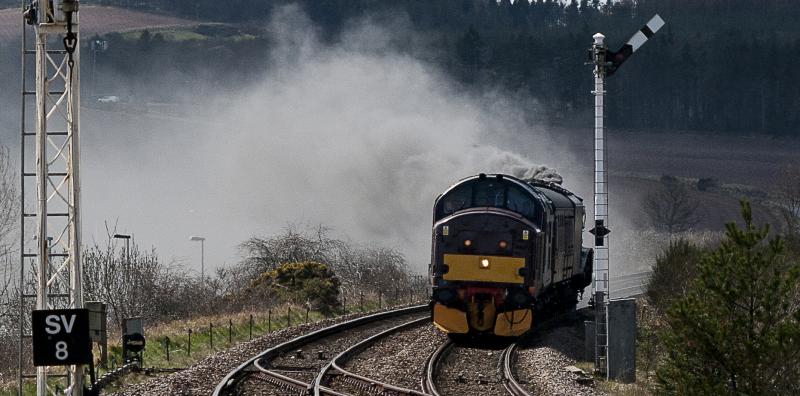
point(357, 137)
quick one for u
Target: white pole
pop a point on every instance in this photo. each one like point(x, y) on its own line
point(202, 260)
point(74, 130)
point(41, 186)
point(601, 253)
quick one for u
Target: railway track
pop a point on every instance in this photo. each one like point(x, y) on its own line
point(288, 369)
point(489, 370)
point(334, 376)
point(510, 382)
point(496, 371)
point(298, 367)
point(630, 285)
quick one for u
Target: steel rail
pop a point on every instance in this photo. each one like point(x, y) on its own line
point(428, 382)
point(371, 386)
point(509, 381)
point(228, 385)
point(507, 357)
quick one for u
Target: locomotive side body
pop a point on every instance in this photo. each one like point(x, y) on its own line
point(505, 250)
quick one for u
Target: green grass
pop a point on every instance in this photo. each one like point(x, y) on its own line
point(177, 35)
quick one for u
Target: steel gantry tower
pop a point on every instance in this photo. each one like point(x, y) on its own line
point(50, 241)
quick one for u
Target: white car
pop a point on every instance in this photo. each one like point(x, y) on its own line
point(108, 99)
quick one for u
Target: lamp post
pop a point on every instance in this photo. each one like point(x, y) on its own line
point(202, 255)
point(127, 239)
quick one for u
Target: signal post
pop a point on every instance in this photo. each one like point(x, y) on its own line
point(605, 64)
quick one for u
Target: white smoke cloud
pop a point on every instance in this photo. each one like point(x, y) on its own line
point(357, 137)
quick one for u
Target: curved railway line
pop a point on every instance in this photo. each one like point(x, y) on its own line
point(268, 369)
point(316, 363)
point(335, 375)
point(496, 373)
point(499, 376)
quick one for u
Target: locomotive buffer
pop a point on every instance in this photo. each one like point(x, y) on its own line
point(606, 63)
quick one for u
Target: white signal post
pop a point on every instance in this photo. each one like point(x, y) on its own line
point(600, 265)
point(605, 64)
point(53, 134)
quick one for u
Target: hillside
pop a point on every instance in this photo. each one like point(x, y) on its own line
point(99, 20)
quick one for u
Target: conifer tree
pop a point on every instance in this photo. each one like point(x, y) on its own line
point(737, 332)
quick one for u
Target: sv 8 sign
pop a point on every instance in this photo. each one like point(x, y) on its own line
point(61, 337)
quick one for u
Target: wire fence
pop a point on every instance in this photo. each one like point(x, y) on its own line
point(180, 347)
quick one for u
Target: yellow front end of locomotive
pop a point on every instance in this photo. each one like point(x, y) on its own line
point(450, 320)
point(468, 267)
point(513, 323)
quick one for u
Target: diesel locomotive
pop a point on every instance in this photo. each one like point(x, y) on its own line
point(505, 252)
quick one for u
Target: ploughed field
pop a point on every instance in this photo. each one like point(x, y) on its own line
point(741, 167)
point(98, 20)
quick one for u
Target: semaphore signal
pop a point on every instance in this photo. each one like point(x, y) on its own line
point(615, 59)
point(605, 64)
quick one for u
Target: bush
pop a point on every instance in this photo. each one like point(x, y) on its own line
point(675, 268)
point(706, 183)
point(310, 283)
point(737, 329)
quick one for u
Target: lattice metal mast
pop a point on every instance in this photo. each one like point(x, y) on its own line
point(56, 265)
point(605, 64)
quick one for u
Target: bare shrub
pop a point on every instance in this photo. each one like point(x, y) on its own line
point(291, 246)
point(9, 201)
point(367, 270)
point(671, 208)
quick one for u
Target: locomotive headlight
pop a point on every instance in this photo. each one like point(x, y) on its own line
point(503, 244)
point(467, 242)
point(484, 263)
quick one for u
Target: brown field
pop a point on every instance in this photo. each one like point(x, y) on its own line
point(98, 20)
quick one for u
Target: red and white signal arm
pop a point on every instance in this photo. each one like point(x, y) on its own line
point(61, 337)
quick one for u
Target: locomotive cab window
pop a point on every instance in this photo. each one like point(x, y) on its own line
point(486, 192)
point(519, 201)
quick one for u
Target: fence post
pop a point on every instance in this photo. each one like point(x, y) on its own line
point(361, 300)
point(269, 320)
point(380, 302)
point(230, 331)
point(211, 335)
point(411, 295)
point(288, 316)
point(344, 304)
point(307, 309)
point(189, 349)
point(251, 326)
point(166, 346)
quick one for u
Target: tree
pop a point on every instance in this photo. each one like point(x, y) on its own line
point(737, 331)
point(9, 293)
point(9, 201)
point(789, 197)
point(469, 49)
point(131, 282)
point(672, 207)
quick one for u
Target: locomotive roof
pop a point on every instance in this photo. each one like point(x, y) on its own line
point(533, 186)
